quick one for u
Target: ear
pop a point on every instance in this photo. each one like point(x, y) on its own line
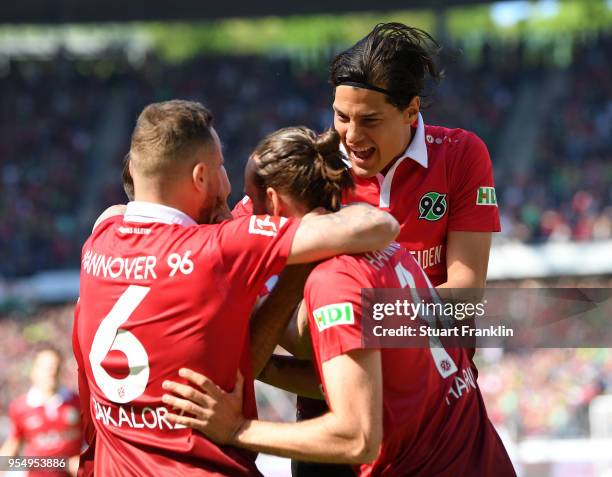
point(198, 176)
point(274, 203)
point(411, 113)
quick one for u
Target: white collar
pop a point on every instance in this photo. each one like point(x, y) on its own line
point(148, 212)
point(34, 398)
point(416, 150)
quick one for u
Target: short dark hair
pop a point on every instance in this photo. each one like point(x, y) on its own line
point(168, 132)
point(307, 167)
point(394, 57)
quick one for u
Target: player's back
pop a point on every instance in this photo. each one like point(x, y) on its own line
point(435, 422)
point(156, 297)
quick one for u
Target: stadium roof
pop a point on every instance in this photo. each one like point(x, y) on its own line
point(79, 11)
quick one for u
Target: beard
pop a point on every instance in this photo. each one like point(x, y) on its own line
point(214, 214)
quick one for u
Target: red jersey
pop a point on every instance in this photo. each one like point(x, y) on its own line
point(243, 207)
point(49, 428)
point(443, 182)
point(159, 292)
point(434, 418)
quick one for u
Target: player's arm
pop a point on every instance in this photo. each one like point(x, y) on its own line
point(269, 320)
point(294, 375)
point(13, 444)
point(472, 218)
point(354, 229)
point(73, 465)
point(11, 447)
point(350, 433)
point(291, 373)
point(296, 337)
point(85, 461)
point(112, 211)
point(467, 259)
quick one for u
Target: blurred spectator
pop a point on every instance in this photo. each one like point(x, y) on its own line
point(20, 338)
point(45, 422)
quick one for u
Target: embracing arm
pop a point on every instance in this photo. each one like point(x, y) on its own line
point(270, 319)
point(113, 210)
point(294, 375)
point(84, 462)
point(296, 338)
point(351, 432)
point(356, 228)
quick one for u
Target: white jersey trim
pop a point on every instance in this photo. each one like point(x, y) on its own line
point(34, 398)
point(149, 212)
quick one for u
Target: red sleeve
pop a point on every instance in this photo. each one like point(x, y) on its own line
point(88, 430)
point(242, 208)
point(473, 203)
point(253, 248)
point(16, 430)
point(334, 312)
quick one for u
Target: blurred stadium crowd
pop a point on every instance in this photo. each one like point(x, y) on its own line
point(54, 112)
point(568, 194)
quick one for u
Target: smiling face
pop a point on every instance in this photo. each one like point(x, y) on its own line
point(373, 131)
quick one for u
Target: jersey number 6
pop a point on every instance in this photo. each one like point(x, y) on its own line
point(109, 337)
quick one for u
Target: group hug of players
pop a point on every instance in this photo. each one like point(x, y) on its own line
point(177, 313)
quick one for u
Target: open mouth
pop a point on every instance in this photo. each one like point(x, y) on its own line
point(362, 154)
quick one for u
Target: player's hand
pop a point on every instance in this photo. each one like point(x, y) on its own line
point(113, 210)
point(216, 413)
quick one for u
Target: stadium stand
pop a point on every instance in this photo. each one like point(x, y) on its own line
point(567, 194)
point(51, 152)
point(43, 144)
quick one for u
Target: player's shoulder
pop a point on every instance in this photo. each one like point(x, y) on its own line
point(18, 405)
point(256, 225)
point(103, 228)
point(338, 270)
point(452, 142)
point(335, 264)
point(244, 207)
point(104, 224)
